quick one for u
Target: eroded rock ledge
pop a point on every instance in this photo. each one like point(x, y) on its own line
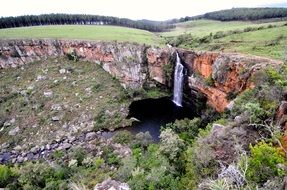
point(217, 75)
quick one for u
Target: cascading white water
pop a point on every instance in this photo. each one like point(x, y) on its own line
point(178, 82)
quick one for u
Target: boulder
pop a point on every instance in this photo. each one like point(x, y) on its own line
point(110, 184)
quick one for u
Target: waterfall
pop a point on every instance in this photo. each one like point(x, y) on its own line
point(178, 82)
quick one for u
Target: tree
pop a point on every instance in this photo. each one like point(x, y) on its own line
point(170, 144)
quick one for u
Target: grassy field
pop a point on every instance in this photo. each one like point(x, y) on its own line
point(267, 43)
point(201, 28)
point(105, 33)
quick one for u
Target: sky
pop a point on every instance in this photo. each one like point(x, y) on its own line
point(133, 9)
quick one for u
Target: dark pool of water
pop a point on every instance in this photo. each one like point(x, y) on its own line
point(152, 114)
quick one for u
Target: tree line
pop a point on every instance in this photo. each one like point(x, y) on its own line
point(234, 14)
point(80, 19)
point(247, 14)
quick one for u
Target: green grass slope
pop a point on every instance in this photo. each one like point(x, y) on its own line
point(104, 33)
point(267, 38)
point(204, 27)
point(270, 42)
point(82, 92)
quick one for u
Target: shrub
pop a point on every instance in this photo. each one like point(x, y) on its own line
point(6, 175)
point(263, 163)
point(79, 154)
point(209, 81)
point(72, 55)
point(200, 161)
point(168, 70)
point(122, 137)
point(250, 102)
point(143, 139)
point(125, 171)
point(255, 111)
point(109, 156)
point(170, 144)
point(219, 34)
point(186, 128)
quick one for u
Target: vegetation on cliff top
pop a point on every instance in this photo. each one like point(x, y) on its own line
point(104, 33)
point(263, 39)
point(203, 27)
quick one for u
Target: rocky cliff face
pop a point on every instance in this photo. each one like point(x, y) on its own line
point(220, 76)
point(122, 60)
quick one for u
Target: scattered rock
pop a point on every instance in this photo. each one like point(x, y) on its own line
point(20, 159)
point(55, 118)
point(62, 71)
point(110, 184)
point(17, 148)
point(88, 90)
point(7, 124)
point(230, 105)
point(90, 136)
point(48, 147)
point(56, 107)
point(48, 94)
point(40, 77)
point(34, 150)
point(65, 126)
point(66, 146)
point(14, 131)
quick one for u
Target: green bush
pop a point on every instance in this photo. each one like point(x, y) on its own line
point(218, 35)
point(109, 156)
point(200, 161)
point(6, 175)
point(79, 154)
point(72, 55)
point(170, 144)
point(187, 129)
point(263, 163)
point(168, 70)
point(152, 170)
point(142, 139)
point(256, 113)
point(123, 137)
point(209, 81)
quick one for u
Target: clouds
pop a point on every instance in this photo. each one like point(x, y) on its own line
point(134, 9)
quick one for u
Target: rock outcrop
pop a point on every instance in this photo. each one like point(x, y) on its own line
point(122, 60)
point(219, 76)
point(110, 184)
point(223, 76)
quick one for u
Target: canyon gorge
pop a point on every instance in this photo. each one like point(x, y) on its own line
point(218, 76)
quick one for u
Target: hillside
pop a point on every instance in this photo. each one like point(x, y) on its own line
point(266, 39)
point(267, 43)
point(104, 33)
point(203, 27)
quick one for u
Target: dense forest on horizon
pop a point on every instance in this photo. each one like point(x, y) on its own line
point(236, 14)
point(81, 19)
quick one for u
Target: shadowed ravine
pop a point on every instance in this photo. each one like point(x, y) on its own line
point(152, 114)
